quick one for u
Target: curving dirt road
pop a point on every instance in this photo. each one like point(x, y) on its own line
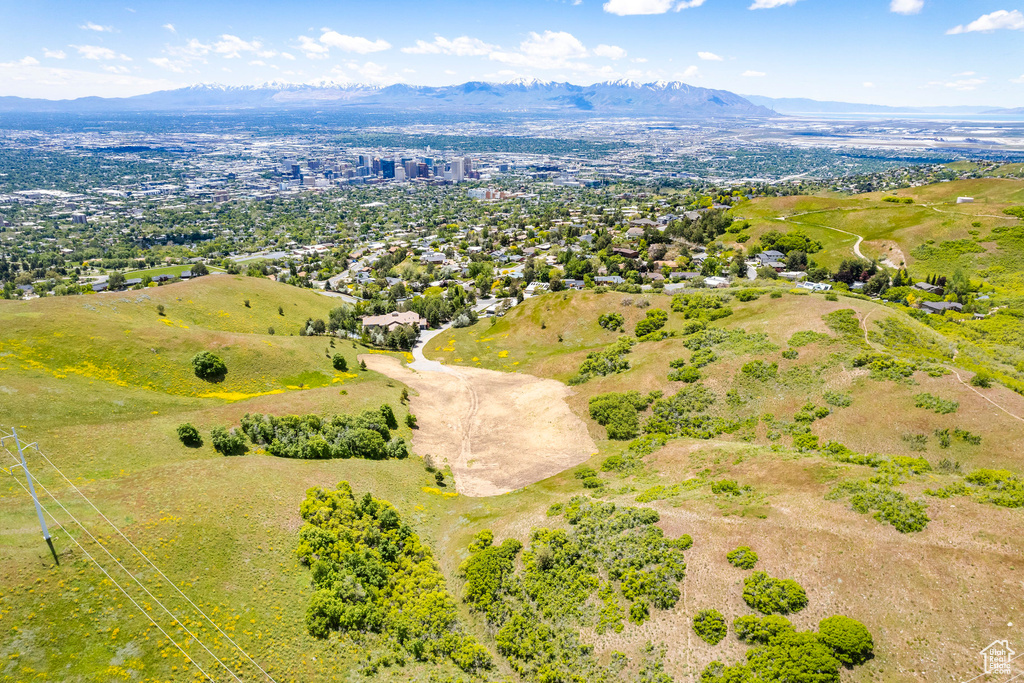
point(497, 431)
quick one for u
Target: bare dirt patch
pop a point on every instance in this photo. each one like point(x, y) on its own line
point(497, 431)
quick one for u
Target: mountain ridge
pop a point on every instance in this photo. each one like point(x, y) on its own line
point(623, 98)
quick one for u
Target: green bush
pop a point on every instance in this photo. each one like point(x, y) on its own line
point(849, 639)
point(655, 320)
point(790, 354)
point(889, 505)
point(939, 405)
point(805, 337)
point(339, 362)
point(981, 380)
point(688, 375)
point(208, 366)
point(189, 435)
point(612, 321)
point(617, 412)
point(227, 442)
point(837, 399)
point(727, 487)
point(639, 612)
point(600, 363)
point(762, 630)
point(760, 371)
point(743, 557)
point(702, 357)
point(709, 625)
point(769, 595)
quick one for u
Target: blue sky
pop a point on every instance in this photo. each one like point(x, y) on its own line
point(899, 52)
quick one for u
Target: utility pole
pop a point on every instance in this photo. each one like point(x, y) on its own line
point(35, 499)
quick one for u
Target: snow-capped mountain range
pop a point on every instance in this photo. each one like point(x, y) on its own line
point(619, 98)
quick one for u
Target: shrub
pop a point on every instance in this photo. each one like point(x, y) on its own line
point(709, 625)
point(981, 381)
point(639, 612)
point(743, 557)
point(702, 357)
point(727, 487)
point(837, 399)
point(612, 321)
point(762, 630)
point(312, 437)
point(939, 405)
point(688, 375)
point(769, 595)
point(655, 320)
point(790, 354)
point(189, 435)
point(891, 506)
point(749, 294)
point(849, 639)
point(760, 371)
point(618, 412)
point(600, 363)
point(208, 366)
point(227, 442)
point(339, 362)
point(411, 422)
point(159, 309)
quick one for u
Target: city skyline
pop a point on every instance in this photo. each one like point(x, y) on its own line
point(891, 52)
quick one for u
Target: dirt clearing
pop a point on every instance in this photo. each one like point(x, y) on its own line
point(498, 431)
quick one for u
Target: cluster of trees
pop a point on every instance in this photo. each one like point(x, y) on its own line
point(311, 437)
point(769, 595)
point(610, 361)
point(701, 307)
point(371, 574)
point(539, 609)
point(618, 413)
point(652, 322)
point(742, 557)
point(781, 653)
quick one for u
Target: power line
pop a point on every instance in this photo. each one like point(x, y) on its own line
point(150, 562)
point(132, 576)
point(113, 581)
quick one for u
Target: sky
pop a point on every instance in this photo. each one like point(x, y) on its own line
point(894, 52)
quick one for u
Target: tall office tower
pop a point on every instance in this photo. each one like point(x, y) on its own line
point(387, 167)
point(376, 166)
point(458, 173)
point(411, 168)
point(422, 170)
point(467, 165)
point(362, 160)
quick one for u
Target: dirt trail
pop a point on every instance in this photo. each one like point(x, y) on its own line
point(498, 431)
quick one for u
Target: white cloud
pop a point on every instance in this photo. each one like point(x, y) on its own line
point(1000, 19)
point(463, 46)
point(1017, 80)
point(54, 54)
point(99, 53)
point(448, 72)
point(174, 65)
point(906, 6)
point(368, 72)
point(631, 7)
point(688, 73)
point(232, 47)
point(116, 69)
point(963, 84)
point(639, 60)
point(709, 56)
point(609, 51)
point(288, 56)
point(312, 48)
point(193, 49)
point(90, 26)
point(770, 4)
point(753, 74)
point(356, 44)
point(24, 61)
point(170, 27)
point(869, 84)
point(34, 80)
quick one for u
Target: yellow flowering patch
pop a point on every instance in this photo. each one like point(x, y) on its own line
point(239, 395)
point(438, 492)
point(502, 354)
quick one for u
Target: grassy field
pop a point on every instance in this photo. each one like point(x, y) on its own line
point(101, 382)
point(167, 270)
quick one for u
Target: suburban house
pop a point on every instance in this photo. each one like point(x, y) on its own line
point(389, 321)
point(608, 280)
point(772, 259)
point(940, 307)
point(434, 257)
point(625, 252)
point(635, 233)
point(716, 282)
point(814, 286)
point(931, 289)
